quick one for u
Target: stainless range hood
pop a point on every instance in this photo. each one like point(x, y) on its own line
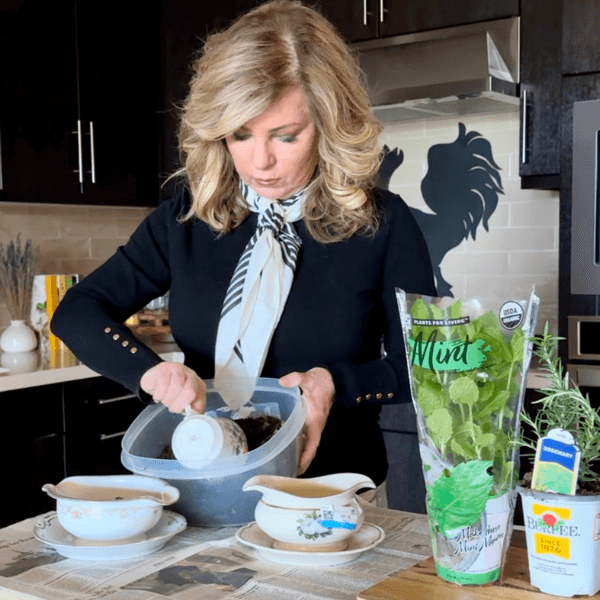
point(460, 70)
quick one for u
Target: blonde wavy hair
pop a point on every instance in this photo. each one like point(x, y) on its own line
point(247, 67)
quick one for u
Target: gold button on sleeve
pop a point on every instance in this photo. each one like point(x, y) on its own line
point(379, 396)
point(133, 350)
point(390, 395)
point(116, 336)
point(359, 399)
point(369, 396)
point(107, 330)
point(125, 343)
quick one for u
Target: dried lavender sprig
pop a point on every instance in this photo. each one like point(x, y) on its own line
point(17, 269)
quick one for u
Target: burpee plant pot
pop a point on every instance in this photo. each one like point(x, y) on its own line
point(563, 542)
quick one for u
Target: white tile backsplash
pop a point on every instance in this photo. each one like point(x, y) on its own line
point(520, 249)
point(71, 238)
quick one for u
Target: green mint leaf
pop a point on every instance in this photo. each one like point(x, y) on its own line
point(501, 350)
point(437, 313)
point(517, 343)
point(485, 439)
point(439, 423)
point(459, 500)
point(430, 396)
point(494, 404)
point(463, 448)
point(464, 390)
point(419, 310)
point(455, 310)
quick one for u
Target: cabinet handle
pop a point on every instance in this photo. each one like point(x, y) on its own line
point(524, 127)
point(92, 152)
point(109, 436)
point(382, 11)
point(79, 154)
point(117, 399)
point(365, 13)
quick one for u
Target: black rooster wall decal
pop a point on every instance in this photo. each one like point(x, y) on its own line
point(461, 187)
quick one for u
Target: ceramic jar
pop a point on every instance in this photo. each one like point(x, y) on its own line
point(313, 514)
point(18, 337)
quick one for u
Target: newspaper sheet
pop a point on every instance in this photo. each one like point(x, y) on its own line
point(205, 563)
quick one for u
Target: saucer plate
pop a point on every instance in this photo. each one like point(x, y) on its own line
point(47, 529)
point(365, 539)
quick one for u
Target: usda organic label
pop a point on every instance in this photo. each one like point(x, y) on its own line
point(511, 315)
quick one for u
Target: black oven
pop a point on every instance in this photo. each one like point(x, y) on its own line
point(583, 343)
point(582, 351)
point(585, 207)
point(584, 339)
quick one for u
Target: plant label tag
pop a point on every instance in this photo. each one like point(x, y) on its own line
point(338, 517)
point(556, 466)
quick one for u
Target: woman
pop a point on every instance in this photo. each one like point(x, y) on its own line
point(281, 257)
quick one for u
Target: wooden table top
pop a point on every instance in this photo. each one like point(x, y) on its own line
point(421, 582)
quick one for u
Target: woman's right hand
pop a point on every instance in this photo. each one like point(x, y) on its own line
point(176, 386)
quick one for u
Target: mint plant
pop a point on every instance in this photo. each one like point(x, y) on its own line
point(468, 406)
point(467, 370)
point(467, 381)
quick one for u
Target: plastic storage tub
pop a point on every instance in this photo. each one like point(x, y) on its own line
point(212, 495)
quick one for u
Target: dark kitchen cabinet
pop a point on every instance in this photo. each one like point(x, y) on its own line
point(580, 48)
point(423, 15)
point(183, 29)
point(38, 106)
point(405, 482)
point(32, 450)
point(356, 20)
point(539, 152)
point(98, 412)
point(367, 19)
point(55, 431)
point(359, 20)
point(79, 111)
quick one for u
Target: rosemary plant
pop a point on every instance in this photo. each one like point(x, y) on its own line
point(17, 268)
point(562, 405)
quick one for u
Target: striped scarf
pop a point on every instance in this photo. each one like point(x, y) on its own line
point(256, 295)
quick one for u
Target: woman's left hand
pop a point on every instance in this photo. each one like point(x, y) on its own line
point(318, 390)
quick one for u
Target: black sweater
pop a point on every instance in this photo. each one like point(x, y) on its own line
point(341, 304)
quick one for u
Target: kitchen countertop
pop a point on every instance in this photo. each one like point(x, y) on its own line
point(211, 563)
point(35, 369)
point(40, 372)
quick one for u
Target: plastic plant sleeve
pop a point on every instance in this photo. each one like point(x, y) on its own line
point(468, 368)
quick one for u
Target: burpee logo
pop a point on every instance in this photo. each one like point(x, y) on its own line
point(552, 532)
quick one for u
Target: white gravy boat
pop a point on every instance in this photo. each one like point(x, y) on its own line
point(315, 514)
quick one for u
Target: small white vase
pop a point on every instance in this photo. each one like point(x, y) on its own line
point(18, 337)
point(20, 362)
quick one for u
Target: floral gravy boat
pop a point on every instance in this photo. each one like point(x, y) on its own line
point(110, 507)
point(314, 515)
